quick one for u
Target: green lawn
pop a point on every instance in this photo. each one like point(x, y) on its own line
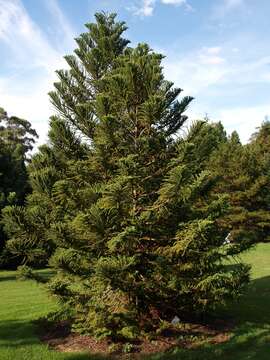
point(24, 301)
point(20, 303)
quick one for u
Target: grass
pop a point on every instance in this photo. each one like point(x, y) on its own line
point(251, 337)
point(21, 302)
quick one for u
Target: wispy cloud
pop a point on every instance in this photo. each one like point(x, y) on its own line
point(211, 56)
point(33, 60)
point(221, 80)
point(174, 2)
point(146, 7)
point(24, 37)
point(197, 70)
point(230, 4)
point(226, 6)
point(244, 119)
point(220, 65)
point(63, 26)
point(184, 3)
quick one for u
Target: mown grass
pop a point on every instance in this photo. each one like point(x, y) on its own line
point(21, 302)
point(251, 337)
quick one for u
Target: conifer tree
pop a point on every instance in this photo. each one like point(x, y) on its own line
point(17, 138)
point(27, 226)
point(136, 235)
point(204, 139)
point(243, 172)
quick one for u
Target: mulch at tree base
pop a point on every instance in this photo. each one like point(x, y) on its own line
point(60, 338)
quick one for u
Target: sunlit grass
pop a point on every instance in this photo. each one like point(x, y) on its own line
point(21, 302)
point(251, 337)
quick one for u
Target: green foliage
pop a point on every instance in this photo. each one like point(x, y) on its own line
point(124, 205)
point(243, 173)
point(25, 272)
point(128, 348)
point(16, 139)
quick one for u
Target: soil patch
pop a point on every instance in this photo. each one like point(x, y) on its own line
point(60, 338)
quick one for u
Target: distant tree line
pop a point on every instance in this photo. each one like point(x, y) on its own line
point(138, 218)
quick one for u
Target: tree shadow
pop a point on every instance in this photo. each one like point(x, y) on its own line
point(15, 334)
point(254, 305)
point(7, 277)
point(251, 337)
point(44, 274)
point(244, 345)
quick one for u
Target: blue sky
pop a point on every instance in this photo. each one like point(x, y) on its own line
point(216, 50)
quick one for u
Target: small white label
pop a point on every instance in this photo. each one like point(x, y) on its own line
point(175, 320)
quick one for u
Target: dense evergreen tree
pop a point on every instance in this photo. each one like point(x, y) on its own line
point(204, 138)
point(16, 140)
point(243, 172)
point(27, 226)
point(128, 210)
point(261, 141)
point(259, 147)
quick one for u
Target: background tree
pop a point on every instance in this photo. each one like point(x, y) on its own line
point(203, 138)
point(243, 173)
point(16, 140)
point(133, 223)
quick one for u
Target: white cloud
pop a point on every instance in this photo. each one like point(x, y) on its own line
point(33, 61)
point(214, 50)
point(220, 79)
point(24, 37)
point(147, 6)
point(211, 56)
point(197, 70)
point(32, 104)
point(203, 68)
point(65, 29)
point(224, 7)
point(174, 2)
point(243, 119)
point(230, 4)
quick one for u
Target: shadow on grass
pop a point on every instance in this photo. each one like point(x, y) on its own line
point(244, 345)
point(45, 274)
point(254, 305)
point(251, 338)
point(17, 334)
point(7, 277)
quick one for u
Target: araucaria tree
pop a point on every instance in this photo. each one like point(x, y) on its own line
point(135, 232)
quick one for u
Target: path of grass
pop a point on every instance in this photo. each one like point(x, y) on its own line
point(22, 302)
